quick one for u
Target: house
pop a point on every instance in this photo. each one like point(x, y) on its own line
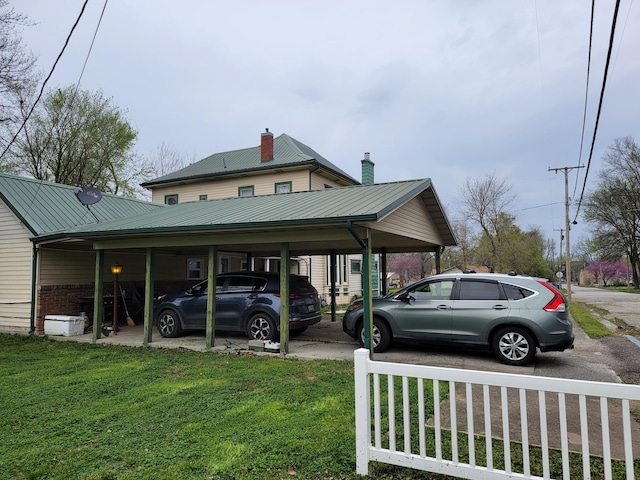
point(279, 165)
point(28, 209)
point(55, 248)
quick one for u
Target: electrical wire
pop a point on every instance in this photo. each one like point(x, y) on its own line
point(586, 93)
point(45, 81)
point(604, 84)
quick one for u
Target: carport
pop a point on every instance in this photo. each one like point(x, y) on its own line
point(383, 218)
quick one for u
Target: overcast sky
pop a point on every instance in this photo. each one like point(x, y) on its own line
point(446, 90)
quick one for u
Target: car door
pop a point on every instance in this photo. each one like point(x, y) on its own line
point(194, 306)
point(426, 312)
point(479, 305)
point(232, 302)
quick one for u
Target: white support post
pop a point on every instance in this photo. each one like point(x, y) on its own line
point(363, 409)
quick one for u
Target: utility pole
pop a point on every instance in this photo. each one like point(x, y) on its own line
point(566, 223)
point(561, 230)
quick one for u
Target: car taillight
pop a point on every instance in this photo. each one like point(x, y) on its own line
point(292, 296)
point(557, 302)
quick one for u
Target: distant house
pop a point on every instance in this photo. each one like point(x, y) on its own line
point(278, 166)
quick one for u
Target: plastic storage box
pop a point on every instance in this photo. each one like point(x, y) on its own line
point(66, 325)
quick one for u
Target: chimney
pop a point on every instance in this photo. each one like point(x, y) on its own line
point(266, 146)
point(367, 170)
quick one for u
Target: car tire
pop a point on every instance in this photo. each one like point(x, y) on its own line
point(514, 346)
point(380, 336)
point(262, 327)
point(169, 324)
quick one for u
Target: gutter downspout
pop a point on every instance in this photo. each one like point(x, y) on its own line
point(34, 270)
point(366, 287)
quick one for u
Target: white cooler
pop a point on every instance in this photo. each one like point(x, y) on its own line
point(67, 325)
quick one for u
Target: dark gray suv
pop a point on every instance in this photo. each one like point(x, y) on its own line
point(246, 302)
point(511, 315)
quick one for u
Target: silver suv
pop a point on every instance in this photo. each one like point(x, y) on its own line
point(511, 315)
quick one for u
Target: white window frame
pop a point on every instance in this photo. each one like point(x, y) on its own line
point(199, 271)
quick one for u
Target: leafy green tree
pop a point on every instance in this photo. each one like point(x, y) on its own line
point(614, 206)
point(78, 137)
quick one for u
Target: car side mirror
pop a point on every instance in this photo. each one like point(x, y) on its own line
point(405, 297)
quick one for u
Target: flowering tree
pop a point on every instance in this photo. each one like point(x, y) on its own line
point(607, 271)
point(407, 268)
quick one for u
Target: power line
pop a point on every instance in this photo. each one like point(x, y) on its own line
point(586, 93)
point(604, 84)
point(45, 80)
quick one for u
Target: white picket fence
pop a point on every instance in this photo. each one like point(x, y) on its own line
point(411, 424)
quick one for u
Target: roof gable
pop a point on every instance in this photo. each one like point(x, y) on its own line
point(47, 207)
point(287, 152)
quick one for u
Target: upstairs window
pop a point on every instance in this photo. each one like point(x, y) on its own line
point(245, 191)
point(283, 187)
point(171, 199)
point(202, 198)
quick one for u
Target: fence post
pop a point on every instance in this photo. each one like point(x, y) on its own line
point(363, 409)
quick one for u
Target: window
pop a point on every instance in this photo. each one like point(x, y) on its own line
point(283, 187)
point(356, 266)
point(480, 290)
point(439, 290)
point(202, 198)
point(515, 292)
point(341, 270)
point(195, 269)
point(224, 265)
point(245, 284)
point(171, 199)
point(245, 191)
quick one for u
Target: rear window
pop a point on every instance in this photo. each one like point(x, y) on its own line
point(515, 292)
point(299, 284)
point(480, 290)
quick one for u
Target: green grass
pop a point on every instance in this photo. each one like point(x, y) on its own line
point(80, 411)
point(590, 324)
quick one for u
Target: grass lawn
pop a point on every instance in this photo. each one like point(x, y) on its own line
point(72, 410)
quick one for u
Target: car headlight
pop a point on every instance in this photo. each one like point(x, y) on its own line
point(355, 305)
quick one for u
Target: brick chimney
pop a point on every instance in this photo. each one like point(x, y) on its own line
point(367, 170)
point(266, 146)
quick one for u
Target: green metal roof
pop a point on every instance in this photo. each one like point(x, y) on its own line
point(46, 207)
point(358, 203)
point(287, 152)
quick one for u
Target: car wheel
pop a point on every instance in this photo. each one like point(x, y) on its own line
point(262, 327)
point(380, 336)
point(169, 324)
point(514, 346)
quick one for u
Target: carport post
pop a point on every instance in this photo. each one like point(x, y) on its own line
point(284, 298)
point(98, 299)
point(367, 303)
point(211, 297)
point(148, 297)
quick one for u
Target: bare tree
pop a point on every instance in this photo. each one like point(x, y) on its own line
point(487, 202)
point(166, 160)
point(17, 75)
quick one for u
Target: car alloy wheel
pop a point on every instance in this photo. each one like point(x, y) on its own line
point(261, 327)
point(514, 346)
point(169, 324)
